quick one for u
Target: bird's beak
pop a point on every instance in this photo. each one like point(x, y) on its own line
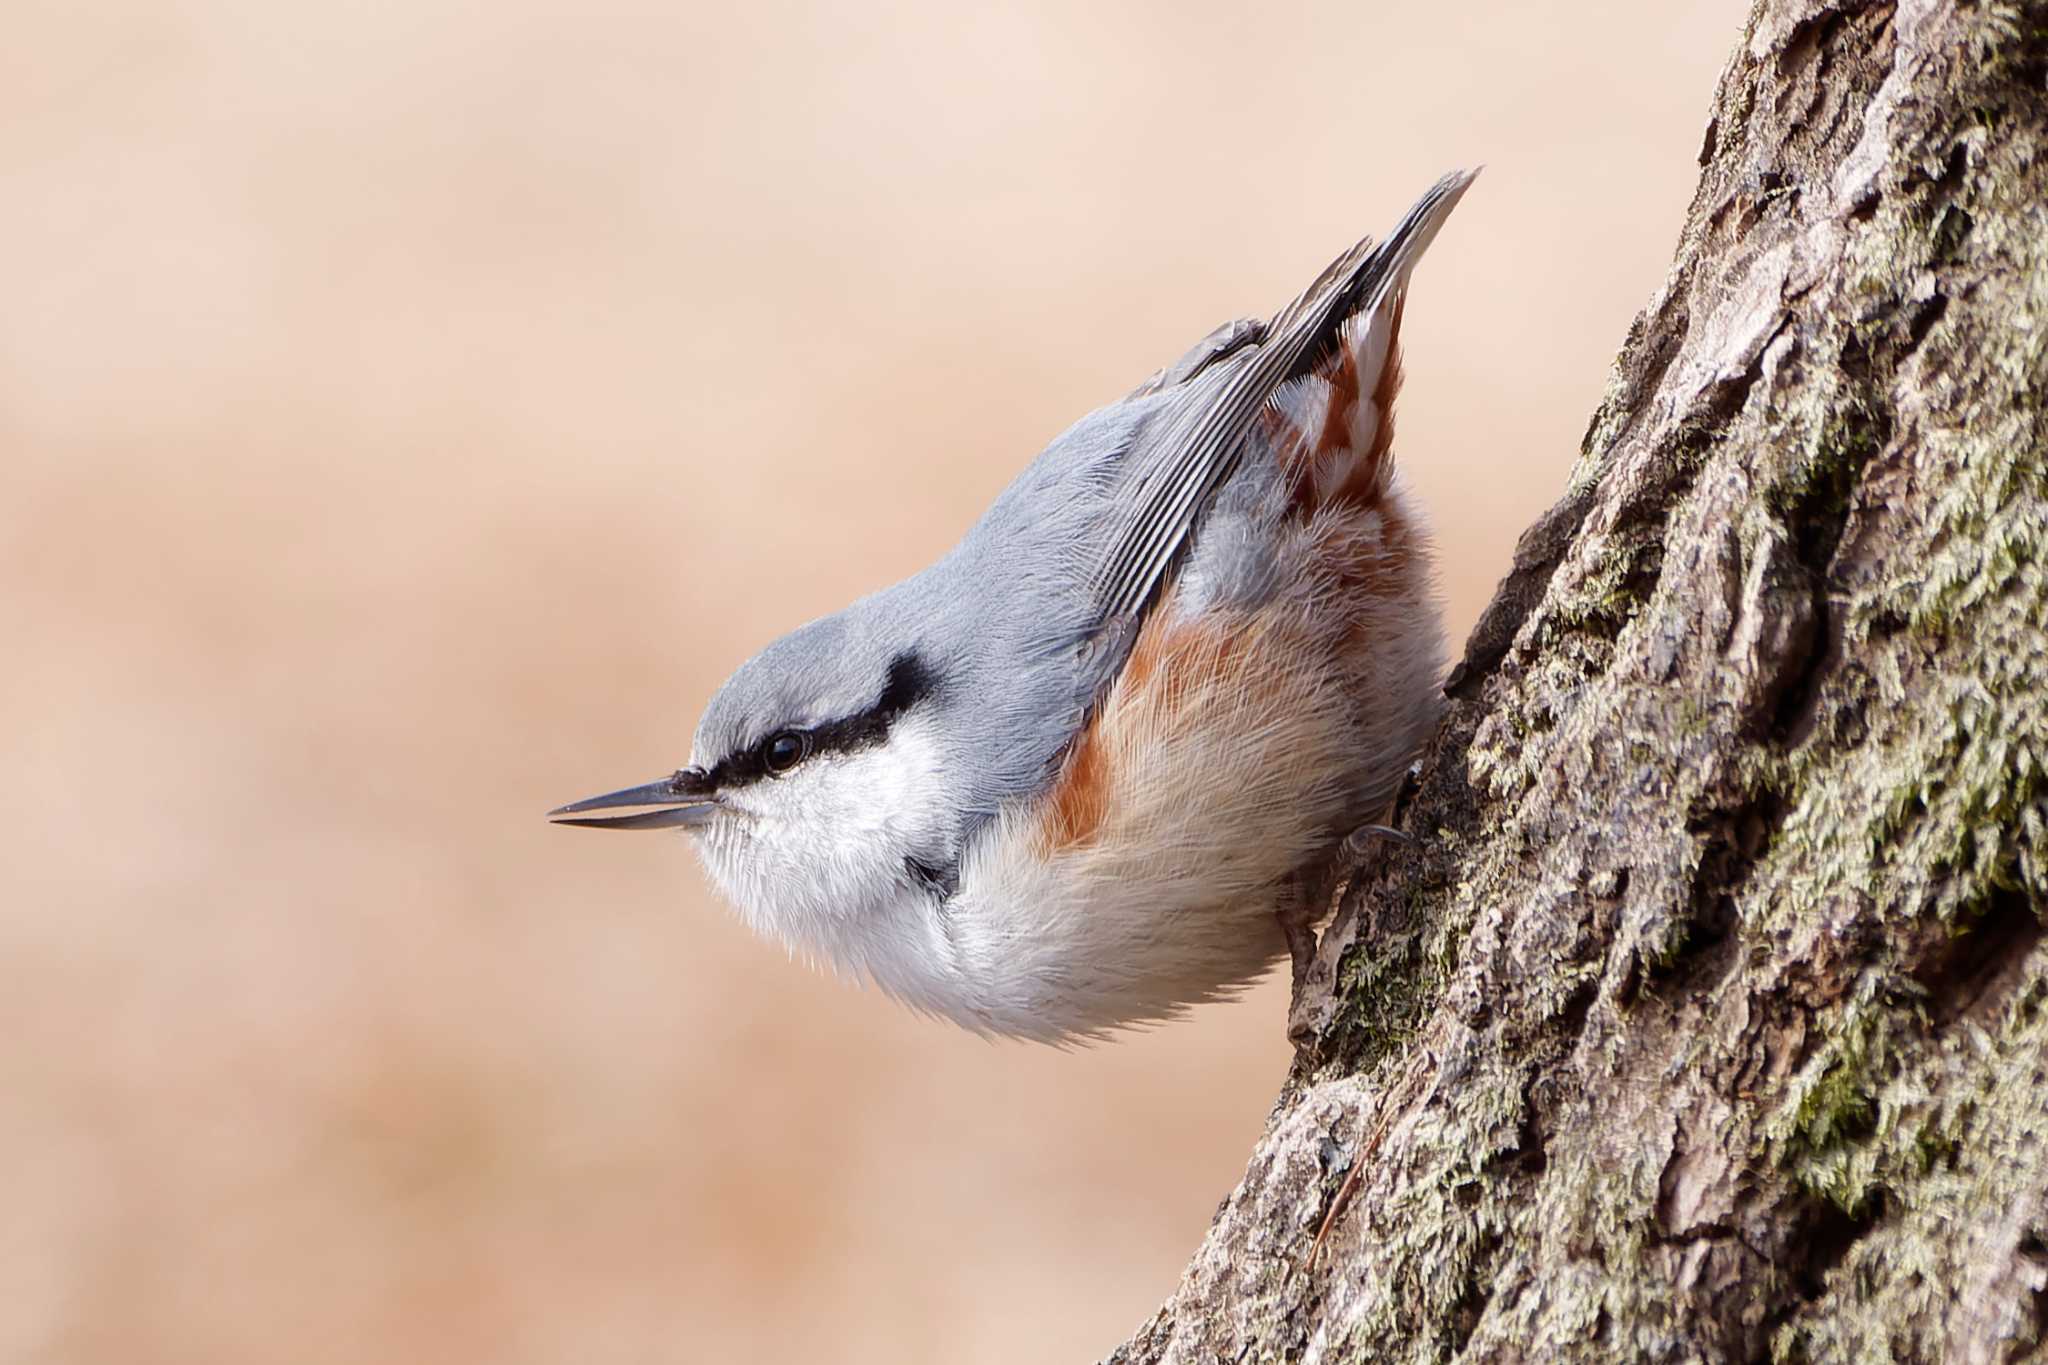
point(685, 798)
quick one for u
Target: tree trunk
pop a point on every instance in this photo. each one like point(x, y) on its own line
point(1708, 1019)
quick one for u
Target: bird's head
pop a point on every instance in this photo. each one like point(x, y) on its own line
point(816, 789)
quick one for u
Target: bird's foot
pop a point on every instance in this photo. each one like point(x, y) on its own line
point(1351, 853)
point(1302, 905)
point(1304, 902)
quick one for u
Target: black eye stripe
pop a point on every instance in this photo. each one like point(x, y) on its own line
point(910, 681)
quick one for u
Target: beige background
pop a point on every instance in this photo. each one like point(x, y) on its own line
point(410, 413)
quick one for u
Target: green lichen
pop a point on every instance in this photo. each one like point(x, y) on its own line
point(1828, 1131)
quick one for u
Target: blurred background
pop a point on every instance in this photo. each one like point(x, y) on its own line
point(410, 413)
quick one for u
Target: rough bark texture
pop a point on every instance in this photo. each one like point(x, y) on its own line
point(1709, 1019)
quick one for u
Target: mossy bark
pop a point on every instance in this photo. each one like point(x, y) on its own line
point(1708, 1019)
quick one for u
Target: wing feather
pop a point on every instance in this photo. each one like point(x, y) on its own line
point(1240, 367)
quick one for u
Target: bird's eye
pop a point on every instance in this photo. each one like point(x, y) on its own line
point(783, 750)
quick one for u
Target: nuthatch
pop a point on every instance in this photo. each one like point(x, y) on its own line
point(1097, 762)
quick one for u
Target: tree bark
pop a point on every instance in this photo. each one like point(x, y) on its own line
point(1708, 1019)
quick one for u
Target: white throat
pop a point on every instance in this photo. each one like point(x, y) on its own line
point(819, 858)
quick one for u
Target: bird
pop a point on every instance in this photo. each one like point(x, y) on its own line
point(1101, 761)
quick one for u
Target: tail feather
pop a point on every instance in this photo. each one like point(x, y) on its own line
point(1195, 453)
point(1365, 277)
point(1332, 430)
point(1331, 424)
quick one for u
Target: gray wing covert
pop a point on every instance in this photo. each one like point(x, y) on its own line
point(1230, 337)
